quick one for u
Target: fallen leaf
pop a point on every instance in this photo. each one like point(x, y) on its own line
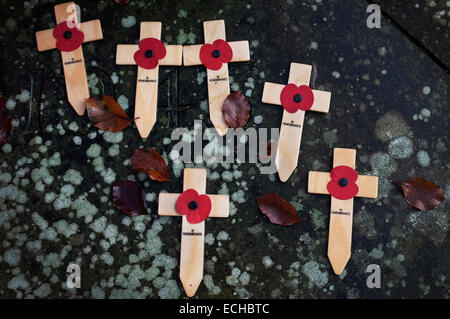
point(278, 210)
point(151, 162)
point(236, 110)
point(5, 127)
point(107, 114)
point(122, 2)
point(129, 197)
point(421, 194)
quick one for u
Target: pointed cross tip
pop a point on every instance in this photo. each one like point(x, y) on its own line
point(190, 287)
point(144, 130)
point(338, 263)
point(79, 105)
point(284, 172)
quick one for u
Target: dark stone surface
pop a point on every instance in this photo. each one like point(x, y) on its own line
point(389, 101)
point(425, 21)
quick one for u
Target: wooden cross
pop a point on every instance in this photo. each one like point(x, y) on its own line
point(147, 79)
point(73, 62)
point(340, 231)
point(288, 148)
point(192, 235)
point(218, 81)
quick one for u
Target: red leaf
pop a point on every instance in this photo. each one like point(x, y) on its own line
point(151, 162)
point(277, 209)
point(122, 2)
point(422, 194)
point(107, 114)
point(5, 127)
point(129, 197)
point(236, 110)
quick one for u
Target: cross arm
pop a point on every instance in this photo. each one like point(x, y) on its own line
point(167, 201)
point(125, 54)
point(367, 185)
point(92, 31)
point(272, 94)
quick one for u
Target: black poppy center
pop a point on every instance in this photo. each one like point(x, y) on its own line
point(68, 34)
point(193, 205)
point(216, 54)
point(343, 182)
point(148, 53)
point(297, 98)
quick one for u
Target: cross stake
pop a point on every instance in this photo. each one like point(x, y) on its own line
point(218, 81)
point(147, 79)
point(288, 147)
point(73, 62)
point(340, 232)
point(192, 235)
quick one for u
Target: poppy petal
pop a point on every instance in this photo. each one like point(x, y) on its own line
point(64, 44)
point(59, 30)
point(143, 61)
point(226, 52)
point(287, 98)
point(342, 192)
point(307, 97)
point(203, 210)
point(182, 204)
point(344, 172)
point(207, 58)
point(158, 48)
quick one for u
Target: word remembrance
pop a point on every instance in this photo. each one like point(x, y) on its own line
point(194, 205)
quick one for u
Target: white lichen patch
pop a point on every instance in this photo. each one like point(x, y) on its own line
point(128, 22)
point(316, 277)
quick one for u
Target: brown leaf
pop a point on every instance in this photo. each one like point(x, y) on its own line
point(278, 210)
point(129, 197)
point(236, 110)
point(5, 127)
point(151, 162)
point(421, 194)
point(107, 114)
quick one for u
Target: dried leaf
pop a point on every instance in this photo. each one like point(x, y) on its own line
point(122, 2)
point(236, 110)
point(422, 194)
point(278, 210)
point(5, 127)
point(151, 162)
point(129, 197)
point(107, 114)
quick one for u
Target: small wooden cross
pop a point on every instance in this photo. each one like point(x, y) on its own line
point(192, 235)
point(340, 232)
point(288, 148)
point(147, 79)
point(73, 62)
point(218, 81)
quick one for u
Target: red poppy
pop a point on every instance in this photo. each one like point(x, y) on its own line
point(343, 182)
point(151, 50)
point(215, 54)
point(68, 39)
point(294, 98)
point(196, 207)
